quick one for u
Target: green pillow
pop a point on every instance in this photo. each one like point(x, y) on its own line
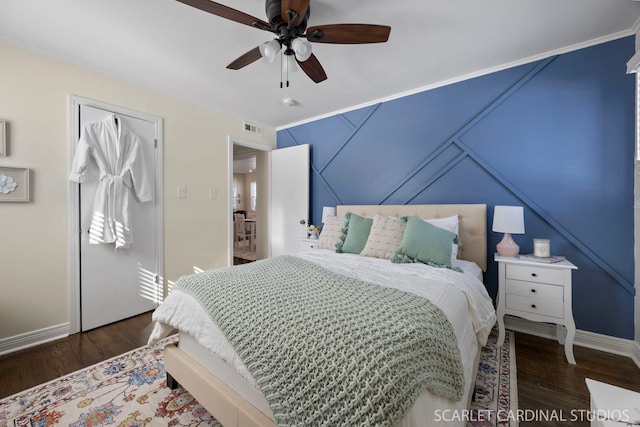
point(425, 243)
point(355, 234)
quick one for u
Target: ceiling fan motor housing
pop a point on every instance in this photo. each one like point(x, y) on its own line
point(273, 8)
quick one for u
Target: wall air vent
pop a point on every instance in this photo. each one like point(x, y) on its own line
point(248, 127)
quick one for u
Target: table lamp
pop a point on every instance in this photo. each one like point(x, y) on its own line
point(327, 211)
point(508, 220)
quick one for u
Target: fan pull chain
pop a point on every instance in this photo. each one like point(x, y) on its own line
point(284, 65)
point(287, 72)
point(281, 71)
point(286, 62)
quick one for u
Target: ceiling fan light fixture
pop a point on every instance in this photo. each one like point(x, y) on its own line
point(288, 21)
point(270, 50)
point(302, 49)
point(289, 63)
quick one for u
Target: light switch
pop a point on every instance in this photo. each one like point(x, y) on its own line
point(213, 193)
point(182, 192)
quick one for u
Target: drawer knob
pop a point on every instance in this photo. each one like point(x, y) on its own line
point(533, 306)
point(533, 274)
point(533, 291)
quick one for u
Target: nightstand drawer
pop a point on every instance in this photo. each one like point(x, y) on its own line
point(535, 290)
point(542, 307)
point(307, 244)
point(532, 273)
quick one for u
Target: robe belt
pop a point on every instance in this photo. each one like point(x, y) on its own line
point(116, 184)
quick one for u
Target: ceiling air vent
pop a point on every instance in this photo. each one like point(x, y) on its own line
point(252, 128)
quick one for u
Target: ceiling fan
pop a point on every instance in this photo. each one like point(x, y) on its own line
point(288, 21)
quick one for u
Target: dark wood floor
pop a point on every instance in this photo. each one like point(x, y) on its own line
point(546, 382)
point(238, 261)
point(26, 368)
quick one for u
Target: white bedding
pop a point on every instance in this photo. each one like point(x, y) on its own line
point(451, 291)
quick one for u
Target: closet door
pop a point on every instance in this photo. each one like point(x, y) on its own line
point(116, 284)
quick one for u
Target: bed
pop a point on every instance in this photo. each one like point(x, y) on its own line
point(208, 366)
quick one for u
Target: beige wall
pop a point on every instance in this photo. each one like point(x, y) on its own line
point(34, 241)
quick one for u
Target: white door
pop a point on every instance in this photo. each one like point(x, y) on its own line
point(289, 211)
point(116, 284)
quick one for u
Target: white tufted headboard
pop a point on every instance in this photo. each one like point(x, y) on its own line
point(472, 226)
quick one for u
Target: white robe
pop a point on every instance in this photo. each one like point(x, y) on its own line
point(119, 156)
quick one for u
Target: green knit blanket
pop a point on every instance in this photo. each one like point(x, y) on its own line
point(326, 349)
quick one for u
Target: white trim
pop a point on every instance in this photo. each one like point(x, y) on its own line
point(230, 231)
point(74, 224)
point(633, 63)
point(605, 343)
point(30, 339)
point(464, 77)
point(635, 28)
point(74, 230)
point(636, 199)
point(636, 353)
point(261, 146)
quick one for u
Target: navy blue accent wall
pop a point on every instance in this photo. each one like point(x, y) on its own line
point(555, 136)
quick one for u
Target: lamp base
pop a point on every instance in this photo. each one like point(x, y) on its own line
point(507, 247)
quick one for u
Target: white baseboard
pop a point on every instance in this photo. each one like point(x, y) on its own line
point(29, 339)
point(605, 343)
point(636, 353)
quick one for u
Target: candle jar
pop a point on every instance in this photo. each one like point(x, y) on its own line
point(542, 248)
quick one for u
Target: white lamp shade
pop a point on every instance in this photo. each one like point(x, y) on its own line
point(327, 211)
point(508, 219)
point(269, 50)
point(289, 64)
point(302, 49)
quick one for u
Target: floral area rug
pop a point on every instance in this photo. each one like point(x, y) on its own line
point(130, 391)
point(127, 391)
point(495, 401)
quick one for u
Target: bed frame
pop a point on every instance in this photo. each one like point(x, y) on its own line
point(231, 409)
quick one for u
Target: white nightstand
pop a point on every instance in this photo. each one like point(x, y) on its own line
point(306, 244)
point(539, 292)
point(610, 403)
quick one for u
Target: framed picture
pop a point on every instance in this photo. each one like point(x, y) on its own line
point(3, 138)
point(14, 184)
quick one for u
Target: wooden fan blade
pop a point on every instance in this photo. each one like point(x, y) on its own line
point(313, 69)
point(228, 13)
point(252, 56)
point(298, 6)
point(348, 33)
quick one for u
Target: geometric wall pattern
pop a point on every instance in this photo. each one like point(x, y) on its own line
point(555, 136)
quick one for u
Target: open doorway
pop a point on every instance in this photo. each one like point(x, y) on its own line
point(244, 152)
point(244, 198)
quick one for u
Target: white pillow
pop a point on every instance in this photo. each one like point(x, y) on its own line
point(450, 223)
point(330, 233)
point(385, 237)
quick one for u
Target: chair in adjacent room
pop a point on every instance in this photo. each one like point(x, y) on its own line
point(240, 231)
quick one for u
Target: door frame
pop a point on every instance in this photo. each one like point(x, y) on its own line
point(74, 208)
point(231, 141)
